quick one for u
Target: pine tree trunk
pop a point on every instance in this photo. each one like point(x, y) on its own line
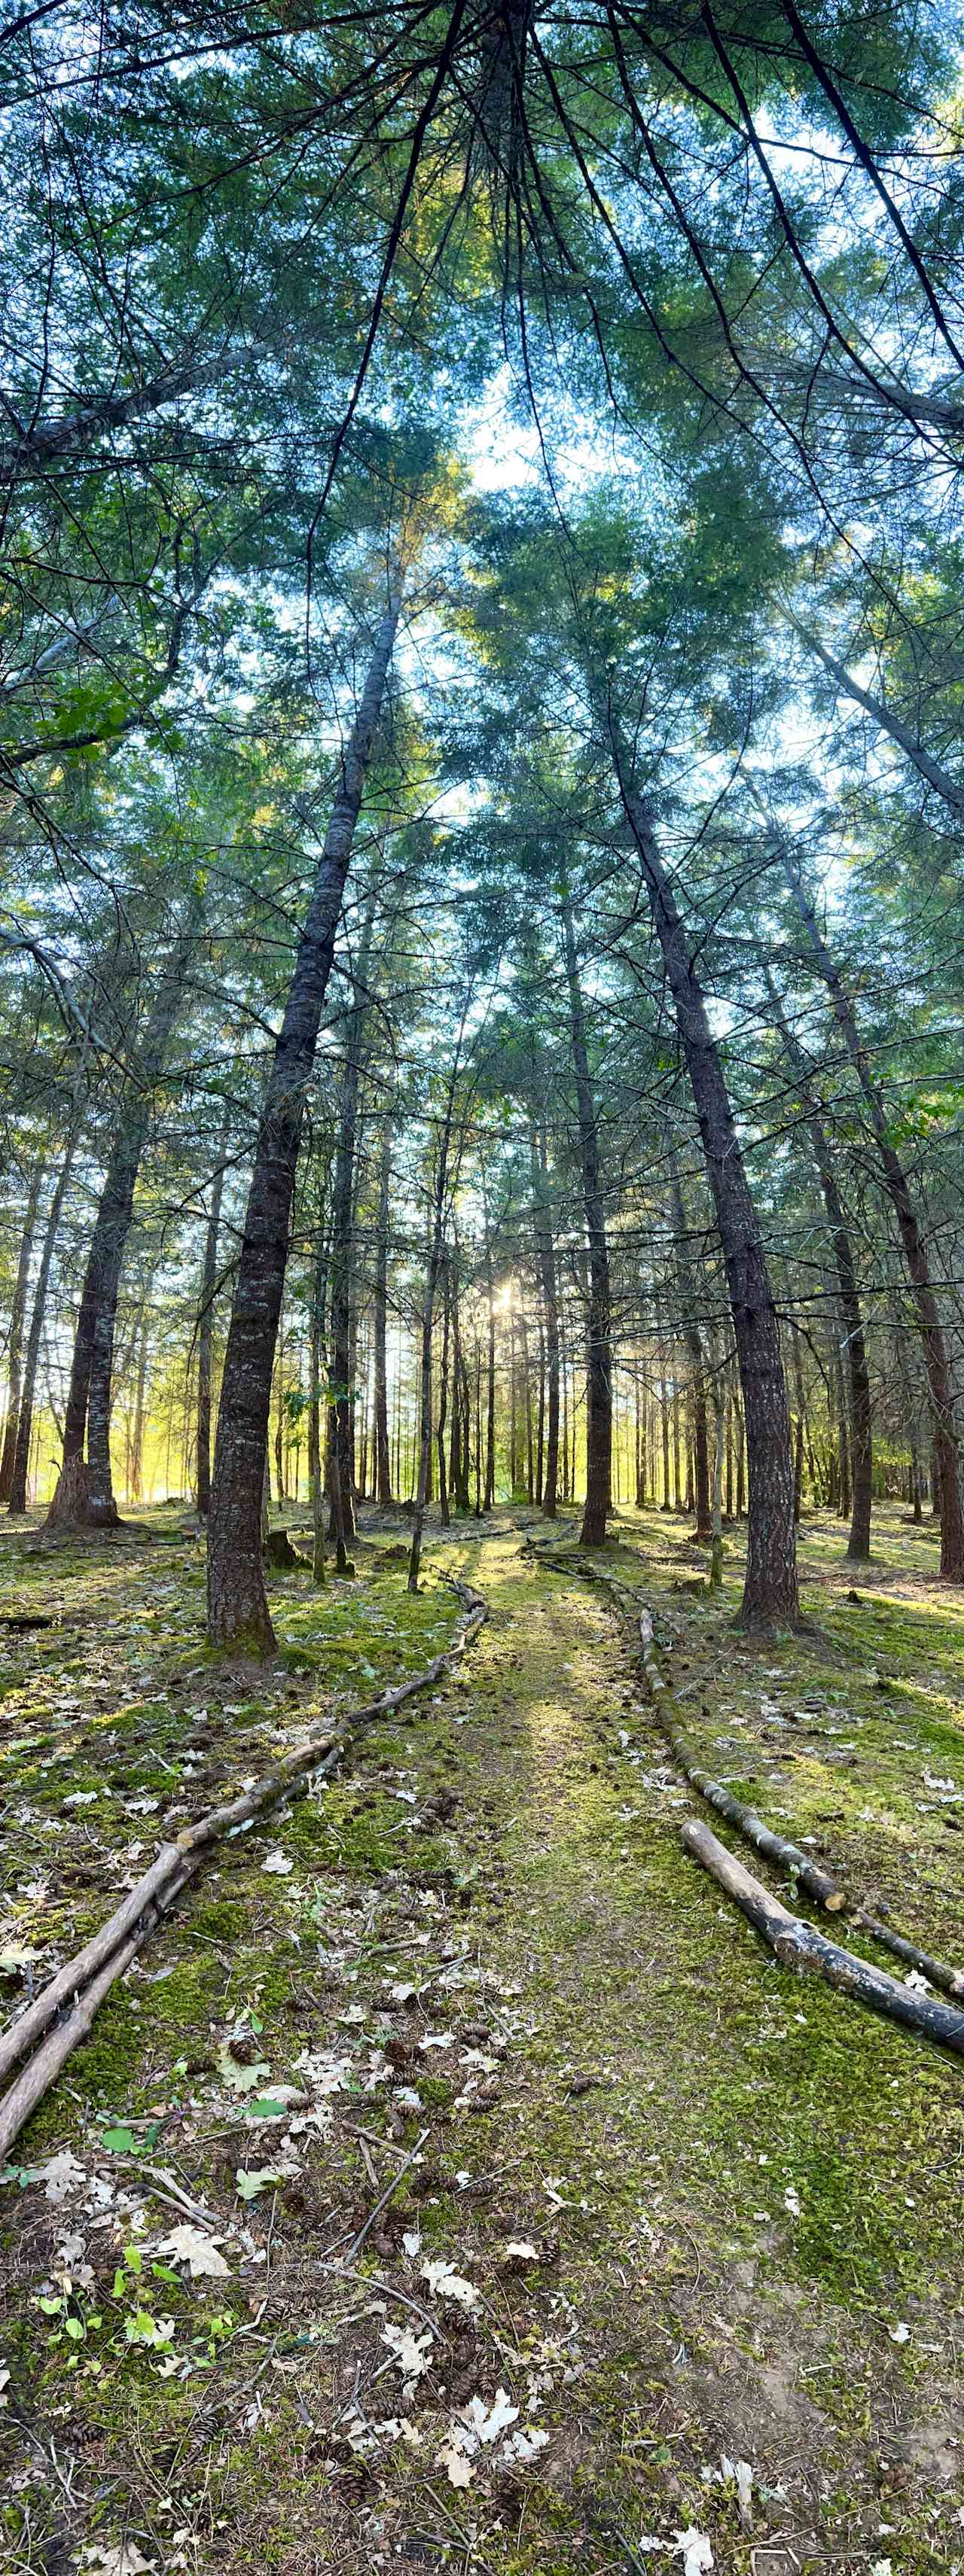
point(489, 1502)
point(858, 1543)
point(18, 1313)
point(770, 1591)
point(383, 1462)
point(434, 1264)
point(801, 1423)
point(237, 1602)
point(279, 1370)
point(86, 1494)
point(664, 1425)
point(343, 1232)
point(134, 1481)
point(527, 1400)
point(21, 1456)
point(693, 1341)
point(948, 1476)
point(205, 1347)
point(546, 1257)
point(599, 1388)
point(316, 1364)
point(443, 1406)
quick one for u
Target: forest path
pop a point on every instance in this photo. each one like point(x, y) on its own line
point(732, 2156)
point(734, 2198)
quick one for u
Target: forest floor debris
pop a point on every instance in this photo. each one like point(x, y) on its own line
point(666, 2268)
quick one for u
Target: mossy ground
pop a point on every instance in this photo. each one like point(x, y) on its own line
point(742, 2195)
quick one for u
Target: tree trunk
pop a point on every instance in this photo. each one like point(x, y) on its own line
point(18, 1312)
point(383, 1461)
point(770, 1591)
point(135, 1477)
point(443, 1406)
point(279, 1417)
point(693, 1341)
point(599, 1387)
point(801, 1423)
point(545, 1255)
point(237, 1601)
point(205, 1347)
point(929, 1325)
point(527, 1399)
point(316, 1365)
point(716, 1502)
point(459, 1458)
point(86, 1494)
point(489, 1502)
point(21, 1455)
point(858, 1544)
point(436, 1256)
point(343, 1231)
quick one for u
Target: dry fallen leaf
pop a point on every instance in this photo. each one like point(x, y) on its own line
point(189, 2245)
point(410, 2352)
point(446, 2283)
point(458, 2469)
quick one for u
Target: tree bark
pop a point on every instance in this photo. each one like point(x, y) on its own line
point(599, 1380)
point(770, 1592)
point(489, 1501)
point(436, 1256)
point(237, 1602)
point(343, 1232)
point(383, 1462)
point(858, 1544)
point(915, 1250)
point(140, 1394)
point(443, 1405)
point(693, 1343)
point(546, 1257)
point(18, 1313)
point(87, 1494)
point(205, 1347)
point(21, 1455)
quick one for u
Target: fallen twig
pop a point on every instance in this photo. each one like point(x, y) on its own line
point(346, 2260)
point(82, 1983)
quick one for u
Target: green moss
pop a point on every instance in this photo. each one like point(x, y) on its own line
point(658, 2195)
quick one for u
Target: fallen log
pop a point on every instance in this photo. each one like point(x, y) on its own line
point(772, 1846)
point(788, 1855)
point(803, 1869)
point(801, 1946)
point(105, 1957)
point(48, 2061)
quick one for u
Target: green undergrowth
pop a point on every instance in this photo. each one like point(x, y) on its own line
point(734, 2197)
